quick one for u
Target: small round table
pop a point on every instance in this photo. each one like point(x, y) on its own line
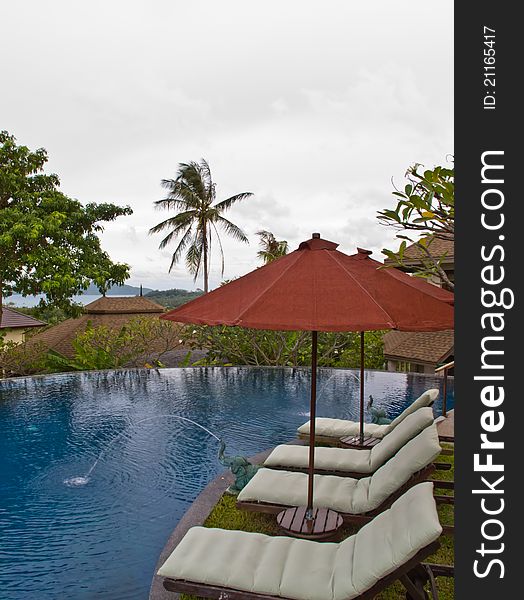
point(353, 442)
point(323, 525)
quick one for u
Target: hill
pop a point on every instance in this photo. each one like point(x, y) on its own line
point(118, 290)
point(173, 298)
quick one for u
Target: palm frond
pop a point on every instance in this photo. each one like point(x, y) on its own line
point(220, 247)
point(228, 203)
point(181, 219)
point(177, 254)
point(194, 259)
point(231, 229)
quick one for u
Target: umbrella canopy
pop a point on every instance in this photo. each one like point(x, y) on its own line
point(318, 288)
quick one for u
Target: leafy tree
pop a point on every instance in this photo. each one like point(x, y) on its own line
point(243, 346)
point(270, 247)
point(427, 208)
point(193, 194)
point(143, 341)
point(49, 242)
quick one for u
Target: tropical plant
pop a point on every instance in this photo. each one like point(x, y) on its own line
point(243, 346)
point(22, 359)
point(270, 247)
point(49, 242)
point(193, 194)
point(427, 208)
point(142, 342)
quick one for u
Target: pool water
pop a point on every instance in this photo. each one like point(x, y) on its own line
point(101, 538)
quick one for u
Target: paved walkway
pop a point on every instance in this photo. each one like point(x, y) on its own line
point(446, 427)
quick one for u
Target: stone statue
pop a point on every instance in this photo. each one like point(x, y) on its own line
point(378, 415)
point(241, 468)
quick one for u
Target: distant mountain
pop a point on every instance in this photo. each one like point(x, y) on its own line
point(118, 290)
point(173, 298)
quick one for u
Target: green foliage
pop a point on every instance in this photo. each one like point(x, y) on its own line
point(22, 359)
point(241, 346)
point(270, 247)
point(49, 242)
point(426, 207)
point(142, 342)
point(193, 193)
point(173, 298)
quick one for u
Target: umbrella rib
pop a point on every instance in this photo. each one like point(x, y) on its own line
point(267, 288)
point(335, 258)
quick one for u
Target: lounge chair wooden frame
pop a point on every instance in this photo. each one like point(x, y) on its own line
point(413, 575)
point(329, 440)
point(353, 474)
point(271, 508)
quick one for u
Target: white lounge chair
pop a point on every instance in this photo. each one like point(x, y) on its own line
point(273, 490)
point(347, 462)
point(329, 430)
point(214, 563)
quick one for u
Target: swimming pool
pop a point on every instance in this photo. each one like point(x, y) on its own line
point(102, 539)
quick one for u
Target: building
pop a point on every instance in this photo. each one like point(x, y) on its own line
point(422, 352)
point(113, 312)
point(418, 351)
point(15, 325)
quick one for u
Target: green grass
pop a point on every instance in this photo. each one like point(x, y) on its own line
point(226, 516)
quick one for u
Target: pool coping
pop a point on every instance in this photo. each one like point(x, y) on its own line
point(195, 515)
point(160, 369)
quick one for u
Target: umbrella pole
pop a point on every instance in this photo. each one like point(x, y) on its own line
point(361, 388)
point(312, 420)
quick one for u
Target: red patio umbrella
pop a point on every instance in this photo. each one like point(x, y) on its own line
point(317, 288)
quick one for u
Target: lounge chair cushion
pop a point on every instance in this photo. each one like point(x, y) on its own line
point(337, 428)
point(406, 430)
point(417, 454)
point(326, 459)
point(348, 460)
point(302, 569)
point(345, 494)
point(426, 399)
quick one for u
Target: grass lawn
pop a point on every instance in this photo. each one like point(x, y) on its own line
point(226, 516)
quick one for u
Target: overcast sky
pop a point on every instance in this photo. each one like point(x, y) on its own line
point(311, 105)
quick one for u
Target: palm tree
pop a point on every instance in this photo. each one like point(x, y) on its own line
point(271, 247)
point(193, 194)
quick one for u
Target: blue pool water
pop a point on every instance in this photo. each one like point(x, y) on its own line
point(102, 539)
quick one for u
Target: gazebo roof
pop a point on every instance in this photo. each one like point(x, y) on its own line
point(112, 312)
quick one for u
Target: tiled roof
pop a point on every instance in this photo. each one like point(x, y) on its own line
point(14, 319)
point(113, 312)
point(429, 348)
point(438, 247)
point(127, 305)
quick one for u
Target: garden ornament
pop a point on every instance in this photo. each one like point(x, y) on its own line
point(378, 415)
point(241, 468)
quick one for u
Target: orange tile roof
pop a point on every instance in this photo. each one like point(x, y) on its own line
point(429, 348)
